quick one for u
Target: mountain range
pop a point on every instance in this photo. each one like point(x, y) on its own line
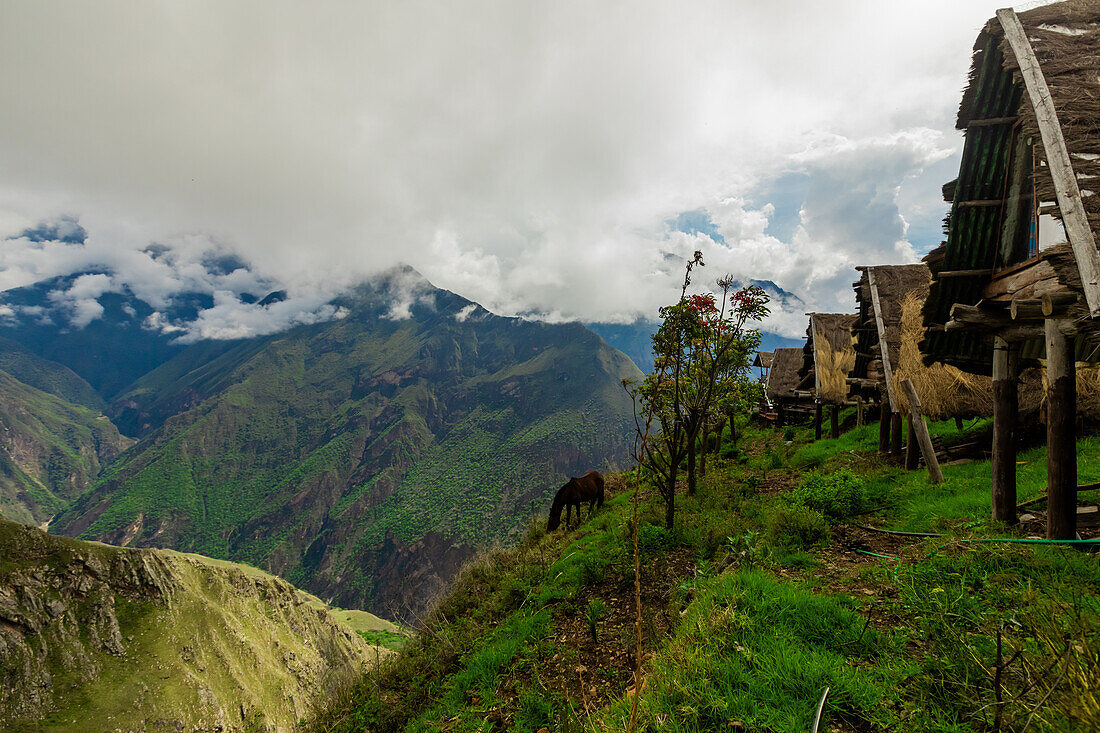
point(363, 457)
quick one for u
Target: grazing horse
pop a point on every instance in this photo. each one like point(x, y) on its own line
point(588, 487)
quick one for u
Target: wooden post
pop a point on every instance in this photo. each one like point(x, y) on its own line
point(834, 422)
point(817, 421)
point(895, 434)
point(859, 411)
point(923, 438)
point(1061, 441)
point(884, 351)
point(1005, 409)
point(912, 462)
point(883, 427)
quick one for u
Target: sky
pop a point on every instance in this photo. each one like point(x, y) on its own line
point(558, 160)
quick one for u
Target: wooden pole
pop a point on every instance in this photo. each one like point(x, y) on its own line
point(834, 422)
point(1005, 410)
point(1061, 441)
point(895, 434)
point(883, 427)
point(884, 350)
point(923, 438)
point(817, 421)
point(912, 461)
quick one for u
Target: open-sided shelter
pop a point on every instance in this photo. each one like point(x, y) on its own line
point(1018, 278)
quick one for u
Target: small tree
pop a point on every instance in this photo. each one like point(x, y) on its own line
point(700, 351)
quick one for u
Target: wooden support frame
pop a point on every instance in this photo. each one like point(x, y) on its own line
point(1068, 193)
point(895, 433)
point(834, 422)
point(921, 429)
point(887, 371)
point(1005, 413)
point(883, 427)
point(912, 459)
point(1061, 436)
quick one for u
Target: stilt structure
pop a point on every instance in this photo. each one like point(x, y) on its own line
point(827, 361)
point(1018, 279)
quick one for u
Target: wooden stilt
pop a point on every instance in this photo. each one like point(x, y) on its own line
point(912, 450)
point(916, 422)
point(1005, 409)
point(859, 411)
point(959, 424)
point(1061, 441)
point(817, 421)
point(834, 422)
point(883, 427)
point(895, 434)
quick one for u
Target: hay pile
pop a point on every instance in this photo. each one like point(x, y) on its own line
point(944, 391)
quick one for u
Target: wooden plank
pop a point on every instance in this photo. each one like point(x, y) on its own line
point(1061, 168)
point(923, 438)
point(1061, 435)
point(887, 372)
point(963, 273)
point(979, 203)
point(813, 350)
point(992, 121)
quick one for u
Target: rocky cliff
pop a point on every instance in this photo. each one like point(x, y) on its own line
point(101, 638)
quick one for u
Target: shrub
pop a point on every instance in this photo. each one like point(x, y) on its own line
point(838, 495)
point(796, 526)
point(652, 538)
point(788, 433)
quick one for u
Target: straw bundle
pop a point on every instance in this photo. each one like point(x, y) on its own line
point(835, 355)
point(944, 391)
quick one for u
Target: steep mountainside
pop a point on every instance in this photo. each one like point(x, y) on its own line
point(50, 450)
point(96, 638)
point(48, 376)
point(367, 457)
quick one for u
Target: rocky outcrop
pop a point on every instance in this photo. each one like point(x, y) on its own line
point(94, 637)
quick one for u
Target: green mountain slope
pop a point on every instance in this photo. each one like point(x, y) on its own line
point(94, 637)
point(50, 450)
point(48, 376)
point(367, 457)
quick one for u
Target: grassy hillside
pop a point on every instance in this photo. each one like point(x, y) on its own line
point(768, 591)
point(367, 457)
point(48, 376)
point(51, 450)
point(95, 637)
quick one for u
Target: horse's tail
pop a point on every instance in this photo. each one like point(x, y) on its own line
point(599, 492)
point(555, 512)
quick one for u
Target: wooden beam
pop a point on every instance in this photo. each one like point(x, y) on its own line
point(1041, 499)
point(1061, 168)
point(923, 438)
point(887, 372)
point(1005, 412)
point(834, 422)
point(1052, 302)
point(912, 459)
point(817, 421)
point(992, 121)
point(962, 273)
point(1061, 401)
point(980, 203)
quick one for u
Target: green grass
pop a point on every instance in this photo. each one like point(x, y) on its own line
point(761, 627)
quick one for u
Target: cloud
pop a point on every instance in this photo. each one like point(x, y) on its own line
point(526, 156)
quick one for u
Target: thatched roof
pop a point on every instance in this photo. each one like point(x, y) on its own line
point(763, 359)
point(998, 116)
point(783, 377)
point(893, 283)
point(828, 356)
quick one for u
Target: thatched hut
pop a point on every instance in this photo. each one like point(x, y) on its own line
point(782, 383)
point(827, 359)
point(1018, 278)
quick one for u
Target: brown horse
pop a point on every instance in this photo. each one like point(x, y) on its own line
point(588, 487)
